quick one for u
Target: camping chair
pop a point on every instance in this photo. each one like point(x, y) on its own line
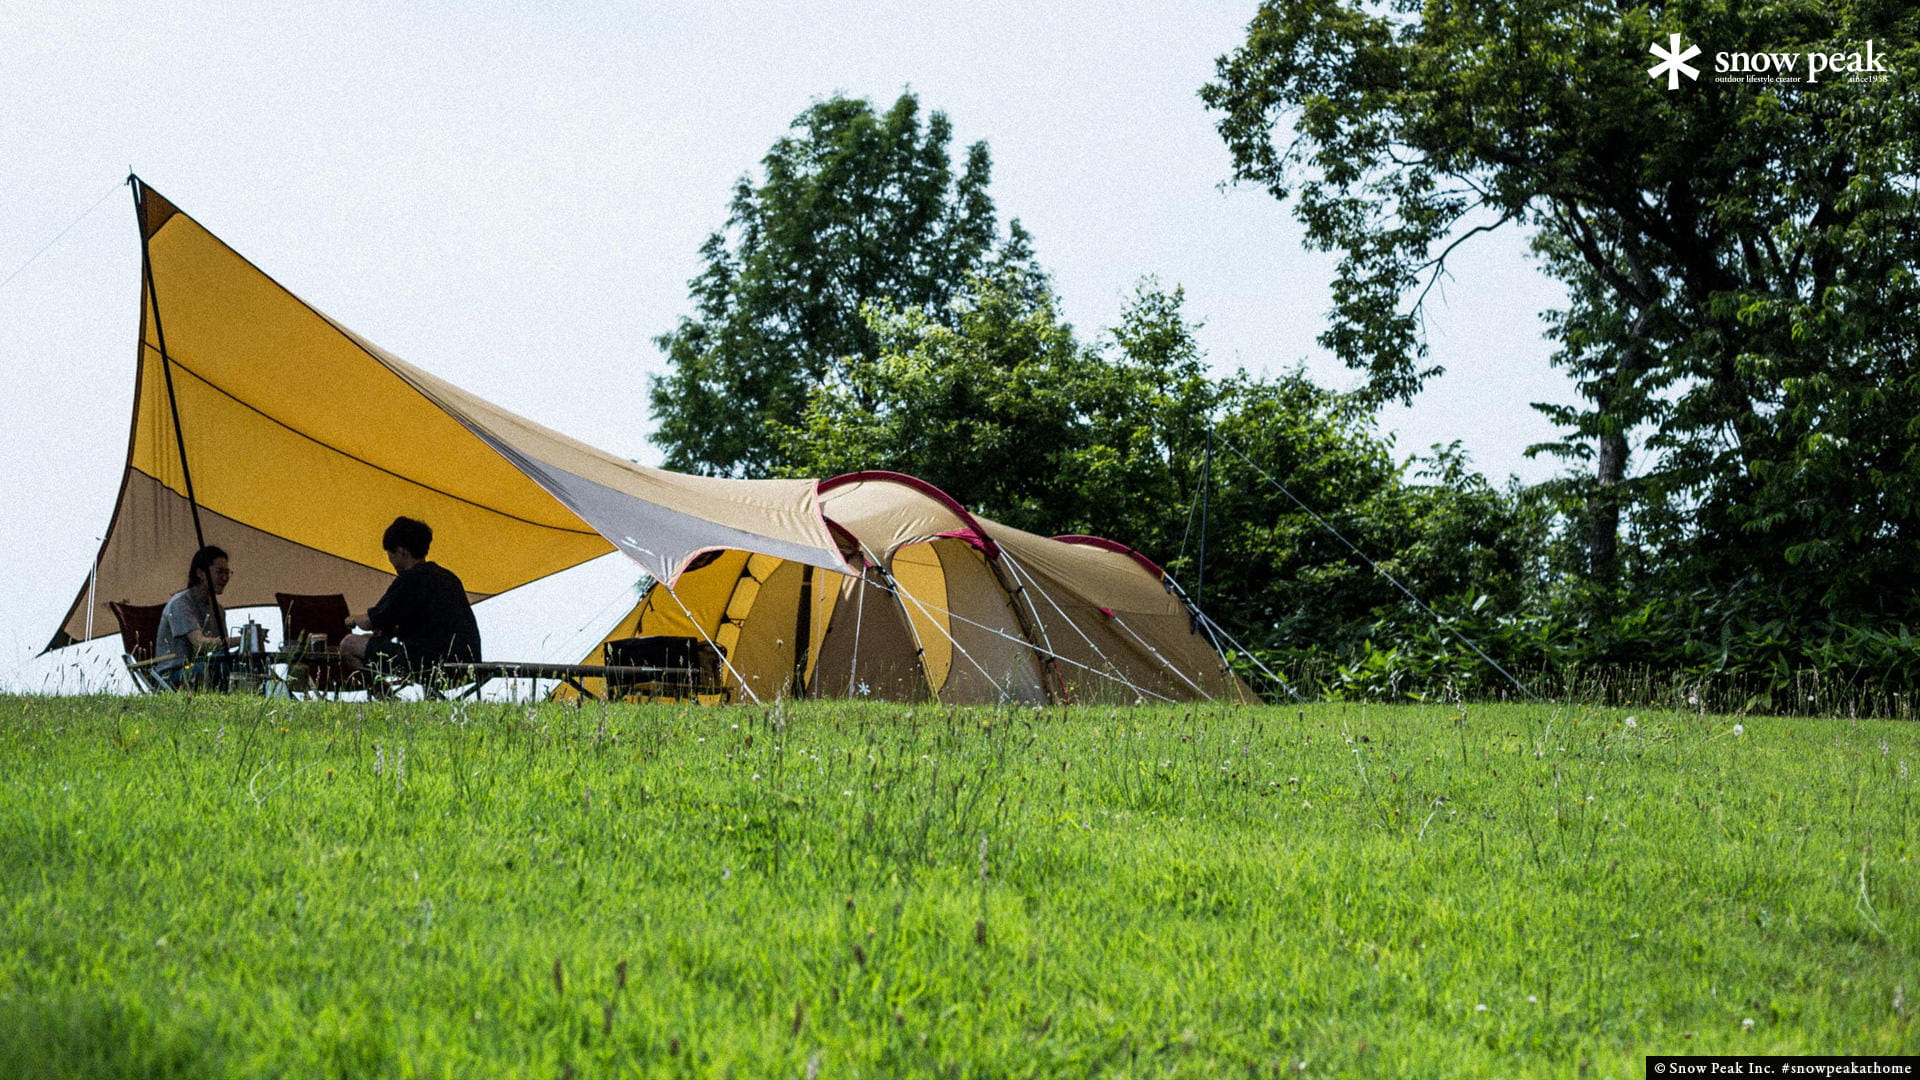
point(683, 667)
point(302, 616)
point(139, 633)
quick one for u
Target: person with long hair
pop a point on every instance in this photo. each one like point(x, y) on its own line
point(193, 626)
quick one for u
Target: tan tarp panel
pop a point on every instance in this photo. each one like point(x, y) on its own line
point(299, 441)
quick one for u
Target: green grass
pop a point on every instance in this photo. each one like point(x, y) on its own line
point(241, 888)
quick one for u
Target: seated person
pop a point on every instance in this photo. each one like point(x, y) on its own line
point(423, 621)
point(193, 627)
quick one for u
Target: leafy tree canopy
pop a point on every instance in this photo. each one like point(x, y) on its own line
point(854, 206)
point(1740, 256)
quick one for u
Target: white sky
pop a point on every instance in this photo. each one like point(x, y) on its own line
point(513, 195)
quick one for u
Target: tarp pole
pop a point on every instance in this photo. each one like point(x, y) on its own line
point(166, 362)
point(93, 586)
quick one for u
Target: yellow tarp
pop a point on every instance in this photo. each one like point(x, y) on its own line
point(297, 441)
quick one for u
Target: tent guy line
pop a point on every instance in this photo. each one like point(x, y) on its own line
point(1112, 670)
point(722, 653)
point(1216, 631)
point(1382, 571)
point(891, 584)
point(18, 270)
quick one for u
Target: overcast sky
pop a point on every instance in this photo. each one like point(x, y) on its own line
point(513, 197)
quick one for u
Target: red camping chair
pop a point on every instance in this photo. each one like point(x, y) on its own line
point(139, 633)
point(302, 616)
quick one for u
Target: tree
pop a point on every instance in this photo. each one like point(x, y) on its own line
point(854, 207)
point(1739, 256)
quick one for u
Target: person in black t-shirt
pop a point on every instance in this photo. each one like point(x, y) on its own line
point(423, 621)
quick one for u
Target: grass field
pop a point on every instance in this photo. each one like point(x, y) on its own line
point(248, 888)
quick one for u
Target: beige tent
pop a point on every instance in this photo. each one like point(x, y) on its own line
point(951, 607)
point(263, 426)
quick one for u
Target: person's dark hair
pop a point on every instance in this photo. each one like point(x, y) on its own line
point(202, 562)
point(405, 532)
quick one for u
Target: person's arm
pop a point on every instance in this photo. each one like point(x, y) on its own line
point(205, 642)
point(390, 614)
point(196, 635)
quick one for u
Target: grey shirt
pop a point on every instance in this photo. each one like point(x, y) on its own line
point(183, 613)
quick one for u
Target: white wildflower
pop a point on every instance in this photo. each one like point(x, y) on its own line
point(1738, 731)
point(1747, 1024)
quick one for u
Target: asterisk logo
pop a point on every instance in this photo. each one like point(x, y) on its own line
point(1673, 62)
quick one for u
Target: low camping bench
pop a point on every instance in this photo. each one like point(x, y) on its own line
point(676, 666)
point(622, 680)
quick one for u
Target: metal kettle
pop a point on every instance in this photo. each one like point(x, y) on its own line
point(253, 640)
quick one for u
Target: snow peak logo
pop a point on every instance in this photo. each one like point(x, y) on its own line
point(1862, 65)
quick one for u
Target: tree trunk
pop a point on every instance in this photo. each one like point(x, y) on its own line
point(1603, 507)
point(1611, 402)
